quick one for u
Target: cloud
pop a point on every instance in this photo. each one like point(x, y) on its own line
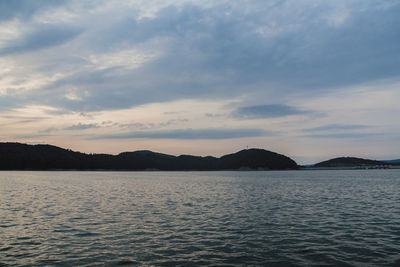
point(191, 134)
point(267, 111)
point(49, 130)
point(44, 36)
point(214, 115)
point(31, 136)
point(24, 9)
point(101, 58)
point(214, 50)
point(151, 125)
point(339, 131)
point(75, 127)
point(8, 102)
point(81, 126)
point(333, 127)
point(340, 135)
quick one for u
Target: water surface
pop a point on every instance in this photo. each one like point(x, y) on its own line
point(283, 218)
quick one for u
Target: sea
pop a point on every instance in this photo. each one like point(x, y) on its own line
point(241, 218)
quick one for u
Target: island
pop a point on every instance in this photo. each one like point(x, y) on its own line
point(18, 156)
point(352, 163)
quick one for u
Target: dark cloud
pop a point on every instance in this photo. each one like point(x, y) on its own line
point(191, 134)
point(267, 111)
point(43, 36)
point(281, 49)
point(24, 9)
point(210, 53)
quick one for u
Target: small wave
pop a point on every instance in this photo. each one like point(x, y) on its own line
point(86, 234)
point(7, 226)
point(127, 262)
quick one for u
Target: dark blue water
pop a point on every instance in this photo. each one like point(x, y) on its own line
point(200, 218)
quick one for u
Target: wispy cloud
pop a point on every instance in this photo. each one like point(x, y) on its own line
point(190, 134)
point(32, 136)
point(82, 126)
point(334, 127)
point(268, 111)
point(151, 125)
point(340, 135)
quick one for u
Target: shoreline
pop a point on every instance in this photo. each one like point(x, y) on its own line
point(227, 170)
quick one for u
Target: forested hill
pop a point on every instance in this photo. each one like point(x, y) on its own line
point(349, 162)
point(17, 156)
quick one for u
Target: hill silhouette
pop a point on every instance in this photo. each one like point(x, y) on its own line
point(17, 156)
point(393, 161)
point(349, 162)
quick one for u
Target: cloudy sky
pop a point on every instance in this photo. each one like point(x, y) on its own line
point(312, 79)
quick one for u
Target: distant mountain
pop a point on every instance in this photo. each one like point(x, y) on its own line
point(349, 162)
point(393, 161)
point(17, 156)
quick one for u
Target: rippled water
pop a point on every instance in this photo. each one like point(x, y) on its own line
point(200, 218)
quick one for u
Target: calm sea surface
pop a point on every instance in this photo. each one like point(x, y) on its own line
point(200, 218)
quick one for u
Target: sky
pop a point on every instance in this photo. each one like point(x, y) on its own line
point(311, 79)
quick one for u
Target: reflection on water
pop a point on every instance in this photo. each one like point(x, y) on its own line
point(189, 218)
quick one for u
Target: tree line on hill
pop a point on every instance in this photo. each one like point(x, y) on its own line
point(17, 156)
